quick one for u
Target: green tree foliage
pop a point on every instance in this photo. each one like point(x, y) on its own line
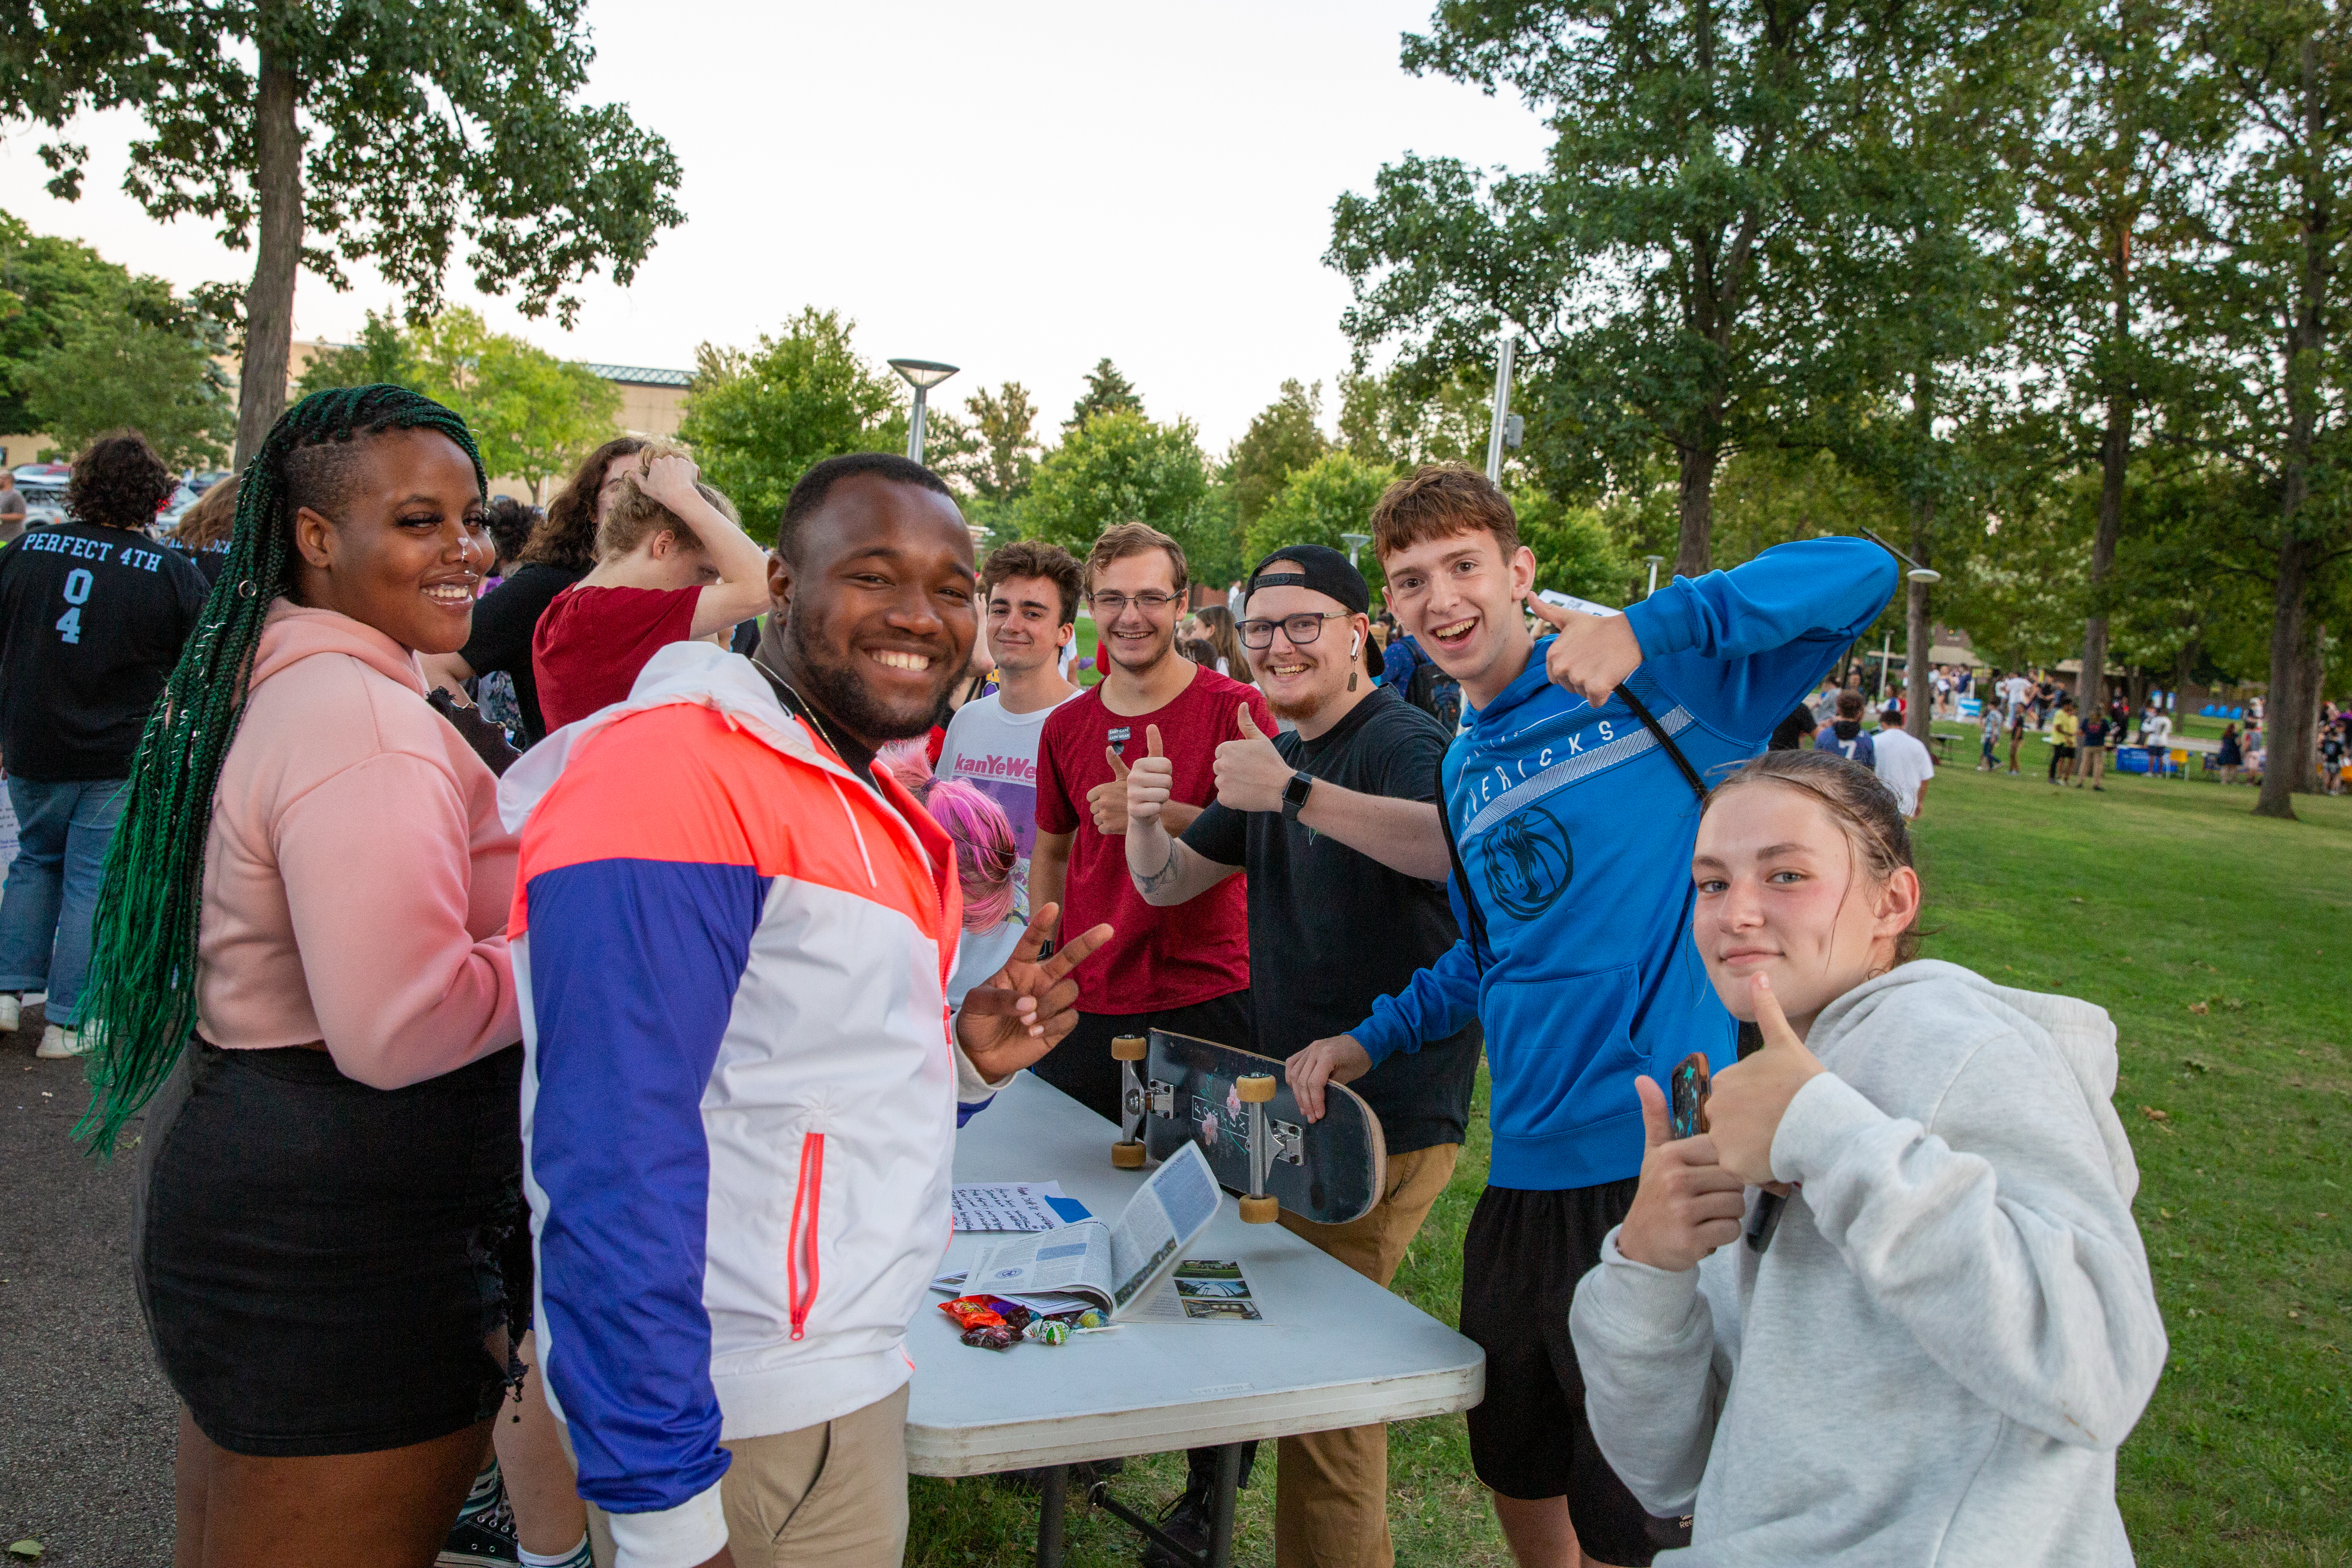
point(1677, 265)
point(326, 136)
point(114, 370)
point(1329, 497)
point(1575, 550)
point(382, 356)
point(2264, 317)
point(87, 346)
point(757, 419)
point(1281, 441)
point(532, 414)
point(1122, 467)
point(1004, 425)
point(1107, 392)
point(1403, 422)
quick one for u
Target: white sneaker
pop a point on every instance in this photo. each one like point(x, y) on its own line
point(57, 1044)
point(11, 1012)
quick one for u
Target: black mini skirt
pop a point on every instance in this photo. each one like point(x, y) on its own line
point(326, 1267)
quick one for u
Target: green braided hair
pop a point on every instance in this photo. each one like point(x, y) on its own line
point(141, 1001)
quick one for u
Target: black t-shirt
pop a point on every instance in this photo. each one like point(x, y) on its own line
point(1790, 733)
point(208, 561)
point(94, 621)
point(504, 619)
point(1332, 931)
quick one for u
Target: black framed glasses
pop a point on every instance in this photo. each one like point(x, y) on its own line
point(1110, 606)
point(1301, 630)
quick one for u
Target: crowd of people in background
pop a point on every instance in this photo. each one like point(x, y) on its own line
point(528, 936)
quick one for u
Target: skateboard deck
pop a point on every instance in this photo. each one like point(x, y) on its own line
point(1331, 1171)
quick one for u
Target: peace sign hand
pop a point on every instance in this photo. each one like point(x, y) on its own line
point(1750, 1097)
point(1592, 655)
point(1026, 1008)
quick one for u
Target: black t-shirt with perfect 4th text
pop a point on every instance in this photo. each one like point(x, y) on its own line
point(1332, 931)
point(504, 619)
point(94, 619)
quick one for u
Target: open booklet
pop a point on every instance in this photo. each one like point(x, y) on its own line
point(1115, 1265)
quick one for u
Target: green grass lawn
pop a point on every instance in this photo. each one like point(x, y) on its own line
point(2219, 942)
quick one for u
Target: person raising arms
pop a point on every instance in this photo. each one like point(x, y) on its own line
point(672, 564)
point(1572, 797)
point(302, 927)
point(1889, 1305)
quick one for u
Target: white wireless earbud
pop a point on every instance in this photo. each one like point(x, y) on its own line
point(1355, 644)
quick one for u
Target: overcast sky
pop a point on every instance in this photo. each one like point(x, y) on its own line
point(1015, 189)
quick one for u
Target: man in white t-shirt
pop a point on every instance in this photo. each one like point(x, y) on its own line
point(1032, 601)
point(2016, 691)
point(1901, 762)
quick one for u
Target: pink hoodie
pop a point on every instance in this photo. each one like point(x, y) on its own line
point(356, 877)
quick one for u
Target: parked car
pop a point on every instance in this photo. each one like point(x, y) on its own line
point(190, 489)
point(43, 486)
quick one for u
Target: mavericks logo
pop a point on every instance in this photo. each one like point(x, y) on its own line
point(1529, 862)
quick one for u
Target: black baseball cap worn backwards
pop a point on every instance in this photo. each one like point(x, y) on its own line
point(1316, 567)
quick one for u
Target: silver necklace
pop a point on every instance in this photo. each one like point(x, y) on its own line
point(800, 705)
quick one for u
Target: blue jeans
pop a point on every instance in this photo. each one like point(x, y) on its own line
point(62, 832)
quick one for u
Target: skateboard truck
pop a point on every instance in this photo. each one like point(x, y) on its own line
point(1127, 1154)
point(1256, 1093)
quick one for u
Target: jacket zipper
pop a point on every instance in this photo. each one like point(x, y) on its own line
point(799, 1244)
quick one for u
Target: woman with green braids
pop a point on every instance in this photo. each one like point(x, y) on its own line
point(301, 944)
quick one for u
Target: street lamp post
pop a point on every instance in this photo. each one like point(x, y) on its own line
point(922, 374)
point(1502, 409)
point(1654, 561)
point(1354, 542)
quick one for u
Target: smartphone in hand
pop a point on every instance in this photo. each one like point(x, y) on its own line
point(1686, 1091)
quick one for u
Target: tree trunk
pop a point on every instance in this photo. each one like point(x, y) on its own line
point(1919, 632)
point(2313, 672)
point(2286, 710)
point(1694, 552)
point(278, 251)
point(2114, 458)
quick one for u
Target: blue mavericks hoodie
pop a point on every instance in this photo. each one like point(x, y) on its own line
point(1576, 830)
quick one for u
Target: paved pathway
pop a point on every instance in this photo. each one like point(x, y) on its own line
point(86, 1421)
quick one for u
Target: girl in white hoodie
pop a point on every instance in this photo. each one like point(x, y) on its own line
point(1891, 1308)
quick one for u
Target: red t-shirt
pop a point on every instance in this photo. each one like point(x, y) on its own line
point(1157, 958)
point(590, 643)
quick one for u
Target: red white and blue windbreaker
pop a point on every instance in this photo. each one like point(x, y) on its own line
point(742, 1086)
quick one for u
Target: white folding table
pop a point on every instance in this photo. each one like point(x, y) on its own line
point(1334, 1350)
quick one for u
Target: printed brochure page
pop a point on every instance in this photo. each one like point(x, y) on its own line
point(1111, 1265)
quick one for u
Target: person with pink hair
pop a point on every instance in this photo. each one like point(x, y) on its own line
point(986, 852)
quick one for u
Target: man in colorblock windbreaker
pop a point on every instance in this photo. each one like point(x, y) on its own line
point(732, 934)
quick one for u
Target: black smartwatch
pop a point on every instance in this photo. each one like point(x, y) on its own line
point(1294, 795)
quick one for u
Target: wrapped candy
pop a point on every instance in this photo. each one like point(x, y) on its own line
point(973, 1312)
point(1091, 1319)
point(1016, 1316)
point(990, 1337)
point(1048, 1331)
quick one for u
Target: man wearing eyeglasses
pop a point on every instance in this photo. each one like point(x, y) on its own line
point(1189, 975)
point(1337, 825)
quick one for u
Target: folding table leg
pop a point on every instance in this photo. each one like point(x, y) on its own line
point(1049, 1517)
point(1221, 1517)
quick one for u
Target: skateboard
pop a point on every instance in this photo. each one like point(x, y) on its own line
point(1239, 1108)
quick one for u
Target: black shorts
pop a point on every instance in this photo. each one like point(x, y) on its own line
point(1081, 1066)
point(319, 1263)
point(1530, 1438)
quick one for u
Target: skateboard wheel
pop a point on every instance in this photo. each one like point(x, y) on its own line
point(1257, 1088)
point(1126, 1156)
point(1259, 1211)
point(1129, 1048)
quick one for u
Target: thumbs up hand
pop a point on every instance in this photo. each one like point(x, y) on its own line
point(1687, 1205)
point(1749, 1099)
point(1592, 655)
point(1109, 801)
point(1150, 780)
point(1251, 775)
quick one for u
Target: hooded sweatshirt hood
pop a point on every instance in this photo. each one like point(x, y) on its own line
point(293, 633)
point(1933, 1353)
